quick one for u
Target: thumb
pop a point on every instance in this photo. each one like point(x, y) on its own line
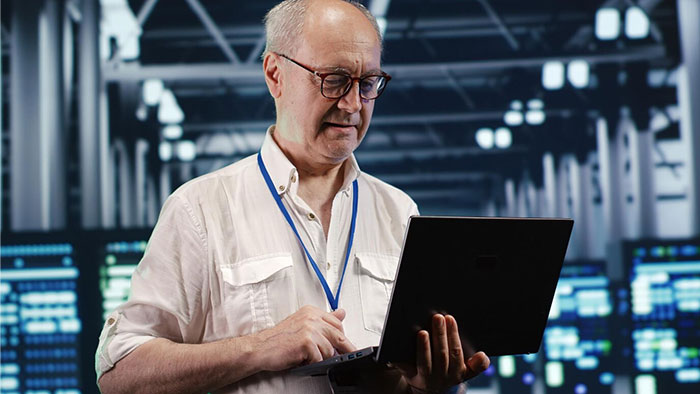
point(477, 364)
point(339, 313)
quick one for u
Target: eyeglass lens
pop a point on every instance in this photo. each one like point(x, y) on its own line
point(336, 85)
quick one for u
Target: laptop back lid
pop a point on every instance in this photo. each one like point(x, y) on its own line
point(496, 276)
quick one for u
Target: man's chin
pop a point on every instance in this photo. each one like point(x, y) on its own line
point(338, 152)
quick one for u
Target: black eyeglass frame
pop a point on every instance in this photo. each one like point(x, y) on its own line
point(323, 77)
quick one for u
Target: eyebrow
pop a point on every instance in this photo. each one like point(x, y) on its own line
point(374, 71)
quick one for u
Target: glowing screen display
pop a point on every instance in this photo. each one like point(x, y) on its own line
point(516, 373)
point(665, 311)
point(39, 319)
point(577, 344)
point(119, 262)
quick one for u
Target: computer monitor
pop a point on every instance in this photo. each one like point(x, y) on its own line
point(664, 281)
point(119, 252)
point(516, 374)
point(41, 325)
point(579, 345)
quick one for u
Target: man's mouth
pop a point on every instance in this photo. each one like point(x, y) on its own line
point(331, 124)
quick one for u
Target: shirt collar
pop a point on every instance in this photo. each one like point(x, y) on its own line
point(284, 174)
point(352, 172)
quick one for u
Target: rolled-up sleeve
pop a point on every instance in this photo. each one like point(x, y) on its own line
point(167, 288)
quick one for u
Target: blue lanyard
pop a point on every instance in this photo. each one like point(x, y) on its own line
point(333, 301)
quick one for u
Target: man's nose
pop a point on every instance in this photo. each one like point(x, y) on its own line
point(351, 102)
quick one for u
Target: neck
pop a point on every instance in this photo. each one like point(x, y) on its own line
point(319, 187)
point(318, 182)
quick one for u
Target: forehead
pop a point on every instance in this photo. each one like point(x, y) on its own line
point(339, 35)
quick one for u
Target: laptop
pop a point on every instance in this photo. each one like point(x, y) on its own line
point(496, 276)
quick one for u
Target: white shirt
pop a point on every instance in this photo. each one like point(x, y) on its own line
point(222, 262)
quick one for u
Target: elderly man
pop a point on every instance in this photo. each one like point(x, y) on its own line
point(288, 256)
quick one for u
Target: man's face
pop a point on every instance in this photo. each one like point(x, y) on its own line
point(336, 38)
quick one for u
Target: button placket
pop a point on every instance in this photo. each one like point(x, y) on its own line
point(337, 237)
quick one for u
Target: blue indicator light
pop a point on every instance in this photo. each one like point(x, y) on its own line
point(689, 250)
point(672, 251)
point(528, 378)
point(606, 378)
point(490, 370)
point(580, 389)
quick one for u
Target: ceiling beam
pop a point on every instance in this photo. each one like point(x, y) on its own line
point(419, 71)
point(379, 120)
point(468, 102)
point(394, 155)
point(466, 195)
point(257, 50)
point(510, 38)
point(435, 176)
point(145, 11)
point(428, 153)
point(396, 28)
point(213, 29)
point(252, 74)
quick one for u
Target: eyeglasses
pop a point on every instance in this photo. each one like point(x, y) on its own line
point(336, 85)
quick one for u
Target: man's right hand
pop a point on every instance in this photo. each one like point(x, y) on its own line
point(307, 336)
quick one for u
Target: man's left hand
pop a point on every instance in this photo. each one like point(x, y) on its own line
point(440, 360)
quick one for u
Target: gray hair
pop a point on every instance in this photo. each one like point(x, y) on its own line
point(285, 22)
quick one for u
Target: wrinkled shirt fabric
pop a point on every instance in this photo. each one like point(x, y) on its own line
point(222, 262)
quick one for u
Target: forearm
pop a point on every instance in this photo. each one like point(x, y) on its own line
point(163, 366)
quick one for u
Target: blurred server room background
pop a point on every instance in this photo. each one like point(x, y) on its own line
point(579, 108)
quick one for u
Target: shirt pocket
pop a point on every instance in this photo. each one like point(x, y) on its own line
point(376, 276)
point(259, 292)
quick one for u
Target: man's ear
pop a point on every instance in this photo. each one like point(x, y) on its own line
point(273, 74)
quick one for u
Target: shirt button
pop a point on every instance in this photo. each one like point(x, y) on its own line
point(328, 264)
point(110, 321)
point(281, 188)
point(294, 178)
point(311, 216)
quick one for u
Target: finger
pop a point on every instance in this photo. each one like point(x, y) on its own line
point(335, 319)
point(439, 350)
point(325, 347)
point(477, 364)
point(338, 340)
point(308, 310)
point(457, 368)
point(313, 353)
point(339, 314)
point(424, 360)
